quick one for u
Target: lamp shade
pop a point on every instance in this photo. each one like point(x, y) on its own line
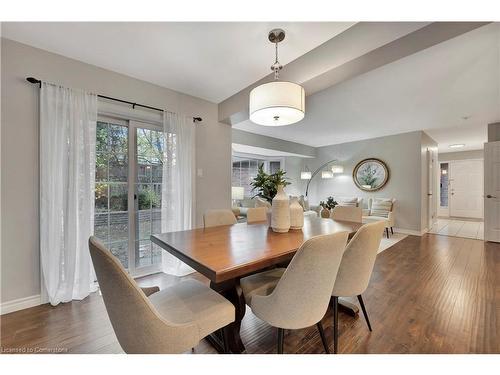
point(237, 193)
point(277, 103)
point(337, 169)
point(305, 175)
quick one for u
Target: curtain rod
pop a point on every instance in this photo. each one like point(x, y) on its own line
point(39, 82)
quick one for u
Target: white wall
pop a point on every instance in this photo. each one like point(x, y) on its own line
point(461, 155)
point(401, 152)
point(20, 276)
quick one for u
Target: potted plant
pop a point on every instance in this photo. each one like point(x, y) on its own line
point(266, 185)
point(327, 207)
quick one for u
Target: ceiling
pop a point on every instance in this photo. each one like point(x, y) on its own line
point(431, 90)
point(209, 60)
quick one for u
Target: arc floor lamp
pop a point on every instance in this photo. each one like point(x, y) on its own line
point(308, 175)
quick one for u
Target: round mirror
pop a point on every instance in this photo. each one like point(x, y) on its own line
point(370, 174)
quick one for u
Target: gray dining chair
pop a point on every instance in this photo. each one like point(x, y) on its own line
point(298, 296)
point(355, 270)
point(215, 218)
point(347, 213)
point(256, 215)
point(147, 320)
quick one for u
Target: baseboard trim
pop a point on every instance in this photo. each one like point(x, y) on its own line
point(410, 231)
point(20, 304)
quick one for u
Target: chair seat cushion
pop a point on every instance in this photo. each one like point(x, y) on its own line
point(261, 284)
point(372, 219)
point(191, 301)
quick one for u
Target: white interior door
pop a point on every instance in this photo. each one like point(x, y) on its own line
point(492, 191)
point(466, 188)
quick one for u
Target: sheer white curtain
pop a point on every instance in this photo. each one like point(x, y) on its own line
point(67, 174)
point(177, 184)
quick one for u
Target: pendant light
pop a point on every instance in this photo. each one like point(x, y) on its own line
point(277, 103)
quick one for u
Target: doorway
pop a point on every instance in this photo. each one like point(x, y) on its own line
point(460, 208)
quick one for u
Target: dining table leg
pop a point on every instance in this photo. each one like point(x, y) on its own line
point(231, 290)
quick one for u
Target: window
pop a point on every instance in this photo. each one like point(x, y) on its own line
point(444, 182)
point(128, 191)
point(244, 169)
point(149, 158)
point(111, 224)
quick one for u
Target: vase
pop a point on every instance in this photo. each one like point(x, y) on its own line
point(280, 211)
point(296, 214)
point(325, 213)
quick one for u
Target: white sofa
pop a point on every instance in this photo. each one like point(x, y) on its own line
point(380, 209)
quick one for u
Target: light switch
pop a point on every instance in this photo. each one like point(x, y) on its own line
point(200, 172)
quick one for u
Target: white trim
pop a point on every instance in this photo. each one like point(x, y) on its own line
point(410, 231)
point(20, 304)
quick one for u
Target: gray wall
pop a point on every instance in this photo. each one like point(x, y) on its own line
point(20, 275)
point(401, 152)
point(461, 155)
point(494, 132)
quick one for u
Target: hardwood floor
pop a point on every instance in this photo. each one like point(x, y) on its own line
point(429, 294)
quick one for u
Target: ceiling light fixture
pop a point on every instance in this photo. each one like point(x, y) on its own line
point(277, 103)
point(458, 145)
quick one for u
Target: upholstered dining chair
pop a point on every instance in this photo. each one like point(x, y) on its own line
point(255, 215)
point(355, 270)
point(347, 213)
point(147, 320)
point(298, 296)
point(215, 218)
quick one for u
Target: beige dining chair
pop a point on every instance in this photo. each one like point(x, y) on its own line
point(355, 270)
point(215, 218)
point(255, 215)
point(298, 296)
point(347, 213)
point(147, 320)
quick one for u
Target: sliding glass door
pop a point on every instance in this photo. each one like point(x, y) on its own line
point(128, 190)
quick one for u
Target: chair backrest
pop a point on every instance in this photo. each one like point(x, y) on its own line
point(347, 213)
point(381, 206)
point(349, 201)
point(256, 215)
point(358, 261)
point(215, 218)
point(259, 202)
point(137, 324)
point(301, 297)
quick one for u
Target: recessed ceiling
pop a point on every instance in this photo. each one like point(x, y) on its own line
point(208, 60)
point(431, 90)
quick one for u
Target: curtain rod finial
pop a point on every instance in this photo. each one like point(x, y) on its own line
point(34, 80)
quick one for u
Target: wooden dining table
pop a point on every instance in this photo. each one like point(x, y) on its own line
point(225, 254)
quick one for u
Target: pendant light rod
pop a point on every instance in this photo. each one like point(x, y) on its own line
point(276, 36)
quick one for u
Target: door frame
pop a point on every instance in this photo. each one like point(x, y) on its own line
point(494, 197)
